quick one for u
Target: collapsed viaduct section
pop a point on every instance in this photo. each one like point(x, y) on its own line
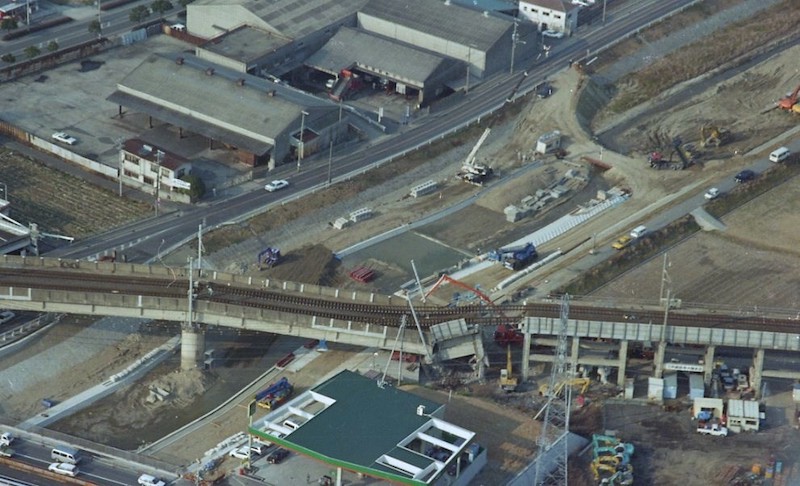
point(374, 320)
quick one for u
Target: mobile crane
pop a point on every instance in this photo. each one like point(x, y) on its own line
point(472, 172)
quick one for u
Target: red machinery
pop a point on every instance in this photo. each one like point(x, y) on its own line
point(505, 333)
point(787, 102)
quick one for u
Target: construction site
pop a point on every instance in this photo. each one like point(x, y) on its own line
point(588, 175)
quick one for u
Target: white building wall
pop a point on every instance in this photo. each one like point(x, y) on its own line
point(547, 18)
point(221, 60)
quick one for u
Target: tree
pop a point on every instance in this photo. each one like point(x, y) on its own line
point(198, 186)
point(95, 27)
point(52, 46)
point(139, 13)
point(184, 3)
point(9, 58)
point(160, 7)
point(32, 51)
point(8, 24)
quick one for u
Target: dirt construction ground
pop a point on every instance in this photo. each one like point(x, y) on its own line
point(737, 267)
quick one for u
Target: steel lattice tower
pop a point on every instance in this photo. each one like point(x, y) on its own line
point(551, 463)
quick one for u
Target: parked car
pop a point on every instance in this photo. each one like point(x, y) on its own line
point(744, 176)
point(276, 185)
point(6, 451)
point(64, 138)
point(7, 438)
point(555, 34)
point(148, 480)
point(278, 456)
point(712, 193)
point(178, 27)
point(6, 316)
point(622, 242)
point(258, 449)
point(330, 83)
point(240, 453)
point(63, 468)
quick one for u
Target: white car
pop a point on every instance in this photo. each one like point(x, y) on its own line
point(64, 138)
point(712, 193)
point(276, 185)
point(5, 316)
point(148, 480)
point(6, 439)
point(555, 34)
point(178, 27)
point(240, 452)
point(63, 468)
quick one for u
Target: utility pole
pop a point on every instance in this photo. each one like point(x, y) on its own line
point(604, 12)
point(513, 46)
point(200, 248)
point(330, 161)
point(159, 159)
point(469, 67)
point(301, 145)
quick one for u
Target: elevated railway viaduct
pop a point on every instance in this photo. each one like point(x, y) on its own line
point(375, 320)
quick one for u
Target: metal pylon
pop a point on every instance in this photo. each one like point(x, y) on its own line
point(551, 463)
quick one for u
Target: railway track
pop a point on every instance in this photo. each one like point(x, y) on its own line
point(385, 315)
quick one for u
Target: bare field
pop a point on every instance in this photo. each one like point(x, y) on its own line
point(754, 262)
point(703, 56)
point(60, 203)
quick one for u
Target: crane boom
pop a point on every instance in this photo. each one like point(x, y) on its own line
point(471, 157)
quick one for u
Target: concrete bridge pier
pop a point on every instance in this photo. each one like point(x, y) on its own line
point(526, 357)
point(708, 364)
point(658, 360)
point(756, 371)
point(574, 355)
point(193, 343)
point(623, 363)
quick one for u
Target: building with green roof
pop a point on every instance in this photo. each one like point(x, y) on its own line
point(356, 424)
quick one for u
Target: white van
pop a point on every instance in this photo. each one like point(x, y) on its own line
point(638, 232)
point(66, 454)
point(779, 155)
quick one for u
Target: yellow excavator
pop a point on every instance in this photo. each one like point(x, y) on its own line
point(583, 383)
point(508, 382)
point(711, 136)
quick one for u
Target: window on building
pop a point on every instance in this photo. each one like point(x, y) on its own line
point(545, 14)
point(557, 17)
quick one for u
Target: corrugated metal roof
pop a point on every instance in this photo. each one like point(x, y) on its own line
point(293, 18)
point(212, 98)
point(452, 22)
point(189, 123)
point(351, 47)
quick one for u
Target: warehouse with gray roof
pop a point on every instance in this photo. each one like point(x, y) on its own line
point(259, 119)
point(358, 424)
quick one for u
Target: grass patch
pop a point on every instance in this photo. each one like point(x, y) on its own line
point(702, 56)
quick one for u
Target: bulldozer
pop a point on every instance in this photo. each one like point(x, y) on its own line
point(713, 136)
point(581, 382)
point(508, 382)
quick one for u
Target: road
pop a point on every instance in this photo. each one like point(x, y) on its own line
point(114, 22)
point(145, 240)
point(92, 468)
